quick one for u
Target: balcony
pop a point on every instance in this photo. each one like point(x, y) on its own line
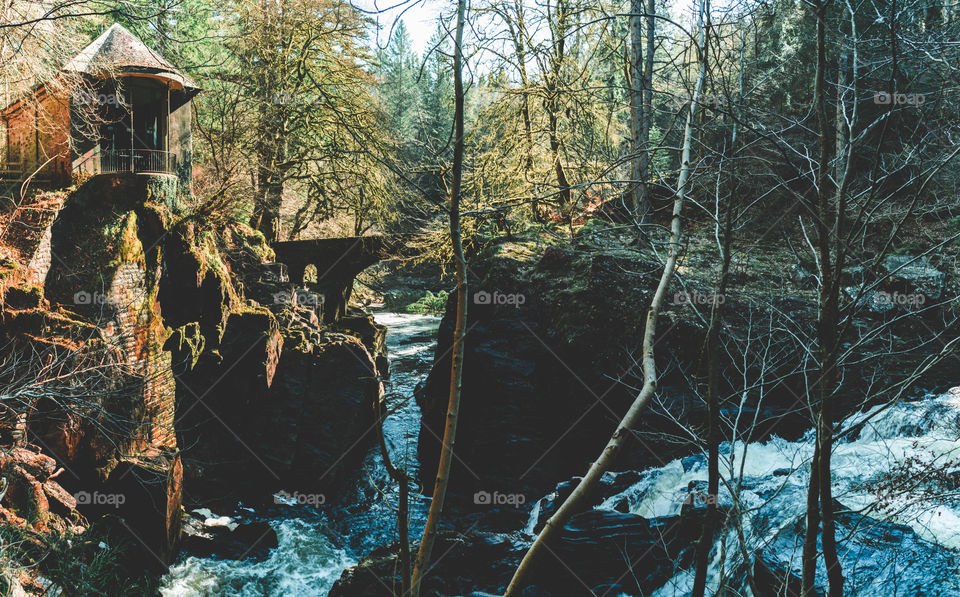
point(140, 161)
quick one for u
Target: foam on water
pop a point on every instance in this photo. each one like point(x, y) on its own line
point(305, 563)
point(923, 433)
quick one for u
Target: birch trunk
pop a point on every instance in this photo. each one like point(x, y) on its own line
point(575, 502)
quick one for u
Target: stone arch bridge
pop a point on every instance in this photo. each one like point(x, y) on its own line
point(338, 261)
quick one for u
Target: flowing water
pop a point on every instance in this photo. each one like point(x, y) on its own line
point(918, 440)
point(317, 544)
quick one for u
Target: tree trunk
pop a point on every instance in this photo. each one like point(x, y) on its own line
point(518, 31)
point(552, 105)
point(456, 367)
point(820, 491)
point(639, 120)
point(575, 502)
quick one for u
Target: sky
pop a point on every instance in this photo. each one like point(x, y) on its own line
point(419, 16)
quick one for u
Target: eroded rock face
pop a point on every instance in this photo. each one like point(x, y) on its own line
point(286, 408)
point(549, 367)
point(33, 496)
point(254, 392)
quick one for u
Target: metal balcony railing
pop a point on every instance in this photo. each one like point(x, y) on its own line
point(148, 161)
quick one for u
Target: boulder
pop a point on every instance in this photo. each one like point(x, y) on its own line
point(240, 541)
point(875, 555)
point(548, 369)
point(914, 274)
point(145, 496)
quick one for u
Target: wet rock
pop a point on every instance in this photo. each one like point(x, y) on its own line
point(252, 540)
point(597, 551)
point(373, 335)
point(875, 555)
point(691, 462)
point(772, 578)
point(913, 274)
point(611, 483)
point(295, 419)
point(465, 562)
point(146, 494)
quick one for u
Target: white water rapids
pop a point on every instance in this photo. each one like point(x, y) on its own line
point(912, 437)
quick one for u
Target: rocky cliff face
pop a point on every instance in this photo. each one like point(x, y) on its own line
point(552, 363)
point(187, 373)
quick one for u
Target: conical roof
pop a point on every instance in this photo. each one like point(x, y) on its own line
point(119, 52)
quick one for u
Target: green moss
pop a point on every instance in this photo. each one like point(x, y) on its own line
point(187, 343)
point(429, 304)
point(255, 242)
point(128, 248)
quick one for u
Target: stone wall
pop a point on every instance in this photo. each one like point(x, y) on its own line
point(40, 263)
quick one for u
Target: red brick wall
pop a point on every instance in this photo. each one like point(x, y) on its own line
point(40, 131)
point(138, 332)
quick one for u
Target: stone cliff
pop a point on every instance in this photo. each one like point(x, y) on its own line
point(157, 357)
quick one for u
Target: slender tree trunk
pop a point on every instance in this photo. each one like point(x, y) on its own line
point(648, 95)
point(552, 104)
point(456, 368)
point(638, 146)
point(713, 406)
point(518, 31)
point(578, 498)
point(820, 491)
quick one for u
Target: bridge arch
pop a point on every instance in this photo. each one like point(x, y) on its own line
point(337, 261)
